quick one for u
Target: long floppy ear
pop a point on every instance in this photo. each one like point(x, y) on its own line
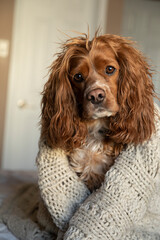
point(61, 126)
point(135, 121)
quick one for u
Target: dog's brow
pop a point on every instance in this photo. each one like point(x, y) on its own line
point(95, 85)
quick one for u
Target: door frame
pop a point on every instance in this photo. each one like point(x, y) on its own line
point(6, 23)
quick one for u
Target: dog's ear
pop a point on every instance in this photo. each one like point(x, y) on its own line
point(135, 121)
point(61, 126)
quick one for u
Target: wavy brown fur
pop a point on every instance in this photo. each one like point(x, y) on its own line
point(134, 122)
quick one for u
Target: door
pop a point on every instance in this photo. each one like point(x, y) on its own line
point(35, 38)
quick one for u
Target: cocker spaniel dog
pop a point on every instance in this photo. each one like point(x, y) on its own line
point(98, 99)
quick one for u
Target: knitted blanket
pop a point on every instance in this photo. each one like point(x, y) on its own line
point(125, 207)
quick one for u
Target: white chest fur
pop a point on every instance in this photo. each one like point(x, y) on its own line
point(90, 161)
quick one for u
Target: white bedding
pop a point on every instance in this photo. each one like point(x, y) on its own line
point(5, 234)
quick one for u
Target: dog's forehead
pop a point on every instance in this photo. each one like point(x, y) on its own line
point(99, 53)
point(101, 50)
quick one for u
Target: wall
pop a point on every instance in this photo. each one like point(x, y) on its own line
point(6, 17)
point(115, 16)
point(141, 22)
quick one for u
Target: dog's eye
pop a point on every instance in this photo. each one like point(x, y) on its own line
point(110, 70)
point(78, 77)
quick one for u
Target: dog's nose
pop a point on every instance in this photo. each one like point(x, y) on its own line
point(96, 96)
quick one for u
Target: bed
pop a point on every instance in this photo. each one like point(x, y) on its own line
point(10, 182)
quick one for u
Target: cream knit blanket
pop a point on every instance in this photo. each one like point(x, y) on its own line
point(126, 207)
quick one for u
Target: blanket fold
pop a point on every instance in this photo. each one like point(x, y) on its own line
point(19, 212)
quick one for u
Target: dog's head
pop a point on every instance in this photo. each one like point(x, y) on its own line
point(94, 76)
point(102, 78)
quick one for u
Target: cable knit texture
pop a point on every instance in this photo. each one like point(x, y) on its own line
point(126, 207)
point(60, 187)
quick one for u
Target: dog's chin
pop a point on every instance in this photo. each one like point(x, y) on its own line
point(100, 113)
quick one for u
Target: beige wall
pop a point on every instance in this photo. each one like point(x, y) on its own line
point(115, 16)
point(6, 18)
